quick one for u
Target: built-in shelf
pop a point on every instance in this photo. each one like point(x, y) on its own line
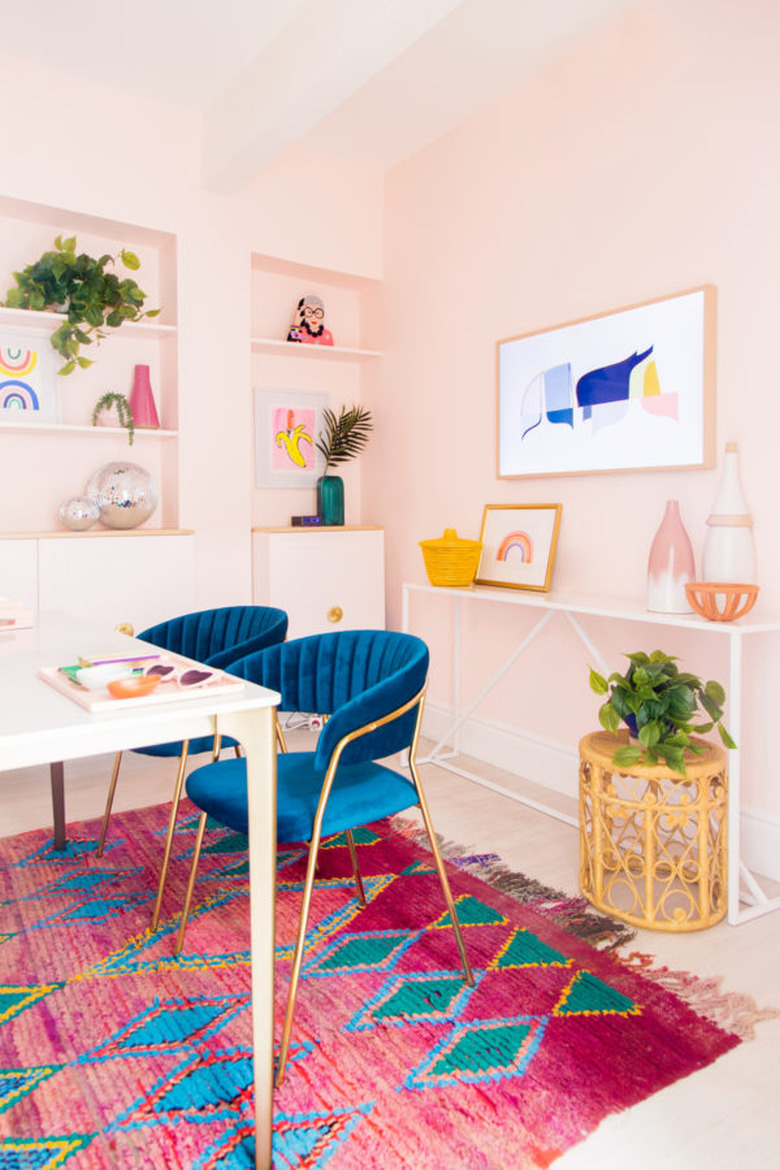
point(32, 319)
point(91, 533)
point(270, 345)
point(69, 429)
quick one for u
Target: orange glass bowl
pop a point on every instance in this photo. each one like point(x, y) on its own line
point(134, 687)
point(720, 601)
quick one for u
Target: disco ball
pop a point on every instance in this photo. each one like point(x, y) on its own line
point(125, 494)
point(79, 513)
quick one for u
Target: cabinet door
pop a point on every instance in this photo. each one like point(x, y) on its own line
point(332, 580)
point(136, 579)
point(19, 571)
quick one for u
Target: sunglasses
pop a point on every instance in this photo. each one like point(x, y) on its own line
point(183, 676)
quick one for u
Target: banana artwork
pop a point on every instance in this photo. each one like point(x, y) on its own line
point(292, 439)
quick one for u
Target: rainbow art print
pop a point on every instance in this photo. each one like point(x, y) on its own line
point(519, 542)
point(26, 394)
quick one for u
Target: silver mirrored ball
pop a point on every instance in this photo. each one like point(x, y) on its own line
point(79, 513)
point(125, 494)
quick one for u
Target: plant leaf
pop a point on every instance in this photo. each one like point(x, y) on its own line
point(597, 682)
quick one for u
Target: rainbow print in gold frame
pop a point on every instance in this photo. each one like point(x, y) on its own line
point(519, 542)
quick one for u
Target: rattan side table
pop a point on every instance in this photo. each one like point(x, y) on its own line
point(653, 843)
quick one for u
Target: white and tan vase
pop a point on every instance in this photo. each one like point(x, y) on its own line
point(729, 551)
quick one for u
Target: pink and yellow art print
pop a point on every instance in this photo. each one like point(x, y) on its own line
point(287, 426)
point(518, 545)
point(293, 438)
point(26, 393)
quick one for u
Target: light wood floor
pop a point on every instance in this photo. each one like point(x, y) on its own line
point(725, 1117)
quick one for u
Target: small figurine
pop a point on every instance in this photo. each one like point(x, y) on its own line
point(308, 326)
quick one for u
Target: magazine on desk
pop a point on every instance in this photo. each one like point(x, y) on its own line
point(178, 678)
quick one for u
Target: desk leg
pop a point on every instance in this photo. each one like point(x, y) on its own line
point(255, 731)
point(57, 775)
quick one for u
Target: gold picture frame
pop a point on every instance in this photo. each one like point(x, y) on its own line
point(519, 543)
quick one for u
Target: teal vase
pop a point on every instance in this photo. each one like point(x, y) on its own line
point(330, 499)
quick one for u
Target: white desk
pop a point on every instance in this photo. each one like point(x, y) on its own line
point(549, 605)
point(40, 726)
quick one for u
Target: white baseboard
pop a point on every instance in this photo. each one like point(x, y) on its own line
point(556, 765)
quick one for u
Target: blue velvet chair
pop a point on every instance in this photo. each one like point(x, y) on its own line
point(370, 685)
point(216, 637)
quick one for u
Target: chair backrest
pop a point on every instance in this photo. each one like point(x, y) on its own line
point(220, 636)
point(355, 677)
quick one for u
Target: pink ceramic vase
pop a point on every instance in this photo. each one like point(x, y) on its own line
point(670, 565)
point(142, 400)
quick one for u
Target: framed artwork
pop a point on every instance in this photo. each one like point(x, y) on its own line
point(287, 423)
point(518, 545)
point(28, 387)
point(627, 390)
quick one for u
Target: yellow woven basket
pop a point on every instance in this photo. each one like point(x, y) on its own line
point(449, 560)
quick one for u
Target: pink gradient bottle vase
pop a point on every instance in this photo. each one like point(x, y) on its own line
point(670, 565)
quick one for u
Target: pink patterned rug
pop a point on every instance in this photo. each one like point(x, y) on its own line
point(113, 1053)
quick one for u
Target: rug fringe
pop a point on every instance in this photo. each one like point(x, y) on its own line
point(574, 914)
point(733, 1011)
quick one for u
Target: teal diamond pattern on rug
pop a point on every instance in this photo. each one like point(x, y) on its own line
point(586, 995)
point(18, 1153)
point(373, 950)
point(429, 996)
point(15, 999)
point(524, 949)
point(481, 1051)
point(471, 912)
point(16, 1083)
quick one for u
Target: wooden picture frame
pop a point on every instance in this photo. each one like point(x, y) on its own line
point(629, 390)
point(519, 542)
point(287, 425)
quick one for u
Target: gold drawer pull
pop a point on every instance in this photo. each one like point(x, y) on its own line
point(335, 613)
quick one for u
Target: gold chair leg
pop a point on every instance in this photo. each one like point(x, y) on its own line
point(191, 883)
point(185, 748)
point(445, 885)
point(355, 869)
point(297, 960)
point(109, 803)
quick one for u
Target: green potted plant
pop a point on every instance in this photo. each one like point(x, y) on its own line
point(90, 297)
point(658, 704)
point(345, 436)
point(112, 400)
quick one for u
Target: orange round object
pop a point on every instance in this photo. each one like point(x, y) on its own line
point(720, 601)
point(133, 687)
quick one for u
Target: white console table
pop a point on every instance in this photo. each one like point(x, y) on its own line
point(550, 606)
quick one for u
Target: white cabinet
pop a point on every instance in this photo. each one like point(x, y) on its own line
point(324, 578)
point(114, 577)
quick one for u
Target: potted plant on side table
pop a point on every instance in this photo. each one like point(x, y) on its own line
point(654, 798)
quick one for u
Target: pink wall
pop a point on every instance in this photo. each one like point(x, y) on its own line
point(642, 164)
point(87, 149)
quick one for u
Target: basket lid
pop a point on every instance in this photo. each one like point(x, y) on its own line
point(451, 540)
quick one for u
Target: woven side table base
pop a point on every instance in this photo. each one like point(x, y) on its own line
point(653, 844)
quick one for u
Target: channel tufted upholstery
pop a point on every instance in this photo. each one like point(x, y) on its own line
point(356, 678)
point(216, 637)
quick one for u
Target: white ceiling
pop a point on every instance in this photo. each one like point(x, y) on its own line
point(368, 80)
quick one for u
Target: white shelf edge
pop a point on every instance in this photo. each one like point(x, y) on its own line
point(43, 321)
point(319, 352)
point(70, 429)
